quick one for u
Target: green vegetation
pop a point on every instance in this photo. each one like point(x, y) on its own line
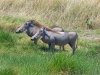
point(18, 56)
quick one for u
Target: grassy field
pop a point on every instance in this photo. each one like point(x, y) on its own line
point(18, 56)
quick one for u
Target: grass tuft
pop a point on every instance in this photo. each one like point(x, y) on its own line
point(5, 36)
point(8, 71)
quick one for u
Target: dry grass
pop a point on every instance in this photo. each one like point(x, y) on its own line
point(68, 14)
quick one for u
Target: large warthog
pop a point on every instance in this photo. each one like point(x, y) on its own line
point(31, 27)
point(57, 38)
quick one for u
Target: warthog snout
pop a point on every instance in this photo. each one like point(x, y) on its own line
point(18, 31)
point(33, 38)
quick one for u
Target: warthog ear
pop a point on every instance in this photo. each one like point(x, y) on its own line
point(44, 29)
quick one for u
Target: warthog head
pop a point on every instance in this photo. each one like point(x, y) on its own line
point(25, 27)
point(39, 34)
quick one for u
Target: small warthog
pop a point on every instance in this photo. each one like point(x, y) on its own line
point(57, 38)
point(32, 26)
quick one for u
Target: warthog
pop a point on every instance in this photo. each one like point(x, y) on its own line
point(54, 38)
point(32, 26)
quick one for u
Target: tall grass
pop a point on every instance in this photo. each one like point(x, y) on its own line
point(6, 38)
point(10, 22)
point(18, 56)
point(68, 14)
point(79, 64)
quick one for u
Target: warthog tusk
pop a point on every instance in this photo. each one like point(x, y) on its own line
point(35, 35)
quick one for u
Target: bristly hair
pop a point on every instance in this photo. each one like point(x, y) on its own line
point(40, 25)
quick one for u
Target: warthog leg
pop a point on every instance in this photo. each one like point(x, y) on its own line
point(49, 45)
point(73, 49)
point(52, 46)
point(72, 45)
point(63, 47)
point(35, 42)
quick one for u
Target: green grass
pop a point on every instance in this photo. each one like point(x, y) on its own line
point(10, 23)
point(6, 38)
point(18, 56)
